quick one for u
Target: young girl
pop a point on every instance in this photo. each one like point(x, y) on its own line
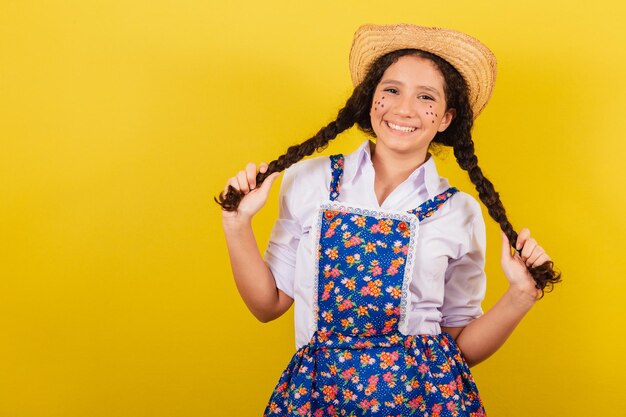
point(384, 260)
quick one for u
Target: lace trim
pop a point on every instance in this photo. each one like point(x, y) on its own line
point(316, 231)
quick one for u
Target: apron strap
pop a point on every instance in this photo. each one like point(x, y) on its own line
point(336, 164)
point(429, 207)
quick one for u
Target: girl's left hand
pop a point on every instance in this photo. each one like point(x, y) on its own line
point(515, 267)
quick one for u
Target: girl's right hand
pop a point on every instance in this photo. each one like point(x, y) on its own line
point(254, 198)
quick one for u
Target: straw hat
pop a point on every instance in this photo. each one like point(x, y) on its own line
point(473, 60)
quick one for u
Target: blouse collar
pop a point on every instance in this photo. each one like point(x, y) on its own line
point(424, 175)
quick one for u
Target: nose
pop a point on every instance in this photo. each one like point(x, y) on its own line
point(405, 106)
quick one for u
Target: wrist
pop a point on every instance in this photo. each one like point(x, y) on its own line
point(523, 297)
point(235, 221)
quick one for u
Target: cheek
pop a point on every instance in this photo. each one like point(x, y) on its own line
point(378, 106)
point(430, 114)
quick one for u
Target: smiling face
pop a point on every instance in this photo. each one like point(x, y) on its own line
point(409, 108)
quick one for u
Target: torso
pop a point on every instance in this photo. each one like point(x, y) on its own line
point(440, 240)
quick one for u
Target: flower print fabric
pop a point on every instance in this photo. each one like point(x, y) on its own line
point(449, 280)
point(358, 362)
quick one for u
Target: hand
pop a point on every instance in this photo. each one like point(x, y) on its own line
point(515, 267)
point(254, 198)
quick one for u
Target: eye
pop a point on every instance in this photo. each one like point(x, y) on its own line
point(425, 97)
point(391, 90)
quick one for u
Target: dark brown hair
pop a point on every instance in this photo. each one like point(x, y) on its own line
point(457, 135)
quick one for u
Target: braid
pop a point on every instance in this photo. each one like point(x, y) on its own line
point(356, 111)
point(458, 135)
point(544, 275)
point(467, 160)
point(345, 120)
point(295, 153)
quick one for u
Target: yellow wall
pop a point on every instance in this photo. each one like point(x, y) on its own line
point(120, 120)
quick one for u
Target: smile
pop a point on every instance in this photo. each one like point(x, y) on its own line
point(406, 129)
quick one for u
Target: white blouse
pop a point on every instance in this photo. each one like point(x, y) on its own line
point(448, 283)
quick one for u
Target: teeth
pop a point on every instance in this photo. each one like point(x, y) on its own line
point(401, 128)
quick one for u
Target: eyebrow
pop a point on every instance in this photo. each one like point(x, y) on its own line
point(421, 87)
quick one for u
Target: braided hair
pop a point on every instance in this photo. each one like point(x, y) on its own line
point(457, 135)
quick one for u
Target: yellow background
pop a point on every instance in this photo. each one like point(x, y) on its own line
point(120, 120)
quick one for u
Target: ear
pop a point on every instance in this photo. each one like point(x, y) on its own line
point(447, 118)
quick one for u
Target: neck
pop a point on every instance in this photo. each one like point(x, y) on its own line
point(392, 165)
point(392, 169)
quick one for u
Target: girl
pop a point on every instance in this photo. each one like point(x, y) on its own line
point(384, 260)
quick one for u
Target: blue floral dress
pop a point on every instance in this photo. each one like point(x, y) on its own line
point(358, 363)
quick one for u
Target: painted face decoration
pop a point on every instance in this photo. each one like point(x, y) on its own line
point(380, 103)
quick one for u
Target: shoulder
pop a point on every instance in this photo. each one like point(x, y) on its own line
point(461, 206)
point(460, 216)
point(467, 216)
point(465, 205)
point(309, 172)
point(311, 167)
point(304, 185)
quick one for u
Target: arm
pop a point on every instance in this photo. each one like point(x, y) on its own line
point(253, 277)
point(484, 335)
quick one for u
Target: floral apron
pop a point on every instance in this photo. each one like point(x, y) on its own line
point(358, 361)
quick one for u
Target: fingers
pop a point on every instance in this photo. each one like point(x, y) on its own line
point(531, 253)
point(232, 182)
point(522, 237)
point(540, 260)
point(242, 182)
point(527, 250)
point(251, 175)
point(245, 180)
point(267, 183)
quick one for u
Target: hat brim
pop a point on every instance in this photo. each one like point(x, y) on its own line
point(473, 60)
